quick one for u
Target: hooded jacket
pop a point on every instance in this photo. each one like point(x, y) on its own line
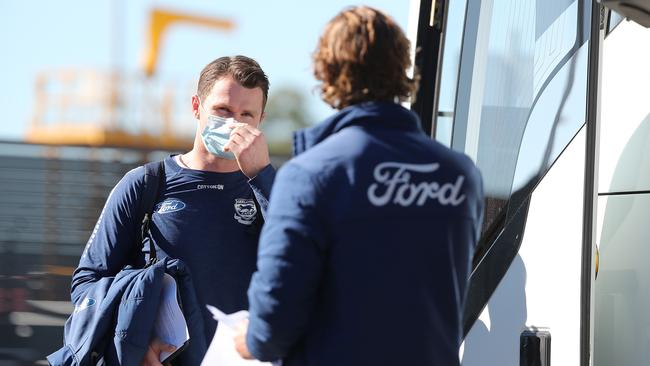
point(366, 250)
point(113, 319)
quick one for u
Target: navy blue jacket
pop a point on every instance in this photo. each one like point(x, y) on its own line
point(114, 317)
point(366, 250)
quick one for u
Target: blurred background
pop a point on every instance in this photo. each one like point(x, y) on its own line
point(91, 89)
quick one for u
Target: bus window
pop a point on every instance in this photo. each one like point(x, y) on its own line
point(613, 21)
point(521, 93)
point(449, 73)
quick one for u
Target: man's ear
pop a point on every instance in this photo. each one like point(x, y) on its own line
point(196, 106)
point(262, 117)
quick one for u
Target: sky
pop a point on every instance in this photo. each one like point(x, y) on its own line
point(105, 35)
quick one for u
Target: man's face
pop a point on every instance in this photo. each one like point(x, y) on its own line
point(229, 99)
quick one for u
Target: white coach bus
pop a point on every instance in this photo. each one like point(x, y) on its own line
point(551, 99)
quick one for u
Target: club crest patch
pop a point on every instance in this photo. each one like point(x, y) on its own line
point(245, 210)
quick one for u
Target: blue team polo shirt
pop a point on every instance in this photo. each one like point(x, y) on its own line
point(209, 220)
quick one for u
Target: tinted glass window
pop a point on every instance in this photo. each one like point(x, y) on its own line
point(614, 20)
point(521, 93)
point(449, 73)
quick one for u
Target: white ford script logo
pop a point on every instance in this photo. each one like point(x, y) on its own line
point(393, 184)
point(170, 205)
point(85, 304)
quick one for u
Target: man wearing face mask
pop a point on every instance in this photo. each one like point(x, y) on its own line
point(209, 211)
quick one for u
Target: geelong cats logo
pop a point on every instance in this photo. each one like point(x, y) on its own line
point(393, 185)
point(245, 210)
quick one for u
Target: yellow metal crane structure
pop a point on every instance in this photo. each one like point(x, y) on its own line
point(87, 107)
point(160, 22)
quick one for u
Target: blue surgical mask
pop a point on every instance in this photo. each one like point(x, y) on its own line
point(216, 134)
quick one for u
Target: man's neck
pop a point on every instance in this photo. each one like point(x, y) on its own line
point(203, 160)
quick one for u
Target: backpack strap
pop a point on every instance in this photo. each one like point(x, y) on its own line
point(154, 178)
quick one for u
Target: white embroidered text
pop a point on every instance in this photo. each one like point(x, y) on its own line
point(393, 184)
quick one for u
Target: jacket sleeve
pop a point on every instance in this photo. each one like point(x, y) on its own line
point(289, 266)
point(111, 244)
point(261, 185)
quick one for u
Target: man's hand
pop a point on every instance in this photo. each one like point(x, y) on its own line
point(240, 340)
point(250, 148)
point(152, 357)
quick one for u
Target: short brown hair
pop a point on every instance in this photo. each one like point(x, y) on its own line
point(246, 71)
point(363, 55)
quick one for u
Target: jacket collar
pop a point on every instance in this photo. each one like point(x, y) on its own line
point(371, 114)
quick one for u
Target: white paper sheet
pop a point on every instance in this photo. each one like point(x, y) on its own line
point(222, 350)
point(170, 326)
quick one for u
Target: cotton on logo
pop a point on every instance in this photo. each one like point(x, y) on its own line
point(393, 184)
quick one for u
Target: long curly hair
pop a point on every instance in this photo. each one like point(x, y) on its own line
point(363, 55)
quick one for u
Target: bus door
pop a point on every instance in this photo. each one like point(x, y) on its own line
point(622, 287)
point(506, 82)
